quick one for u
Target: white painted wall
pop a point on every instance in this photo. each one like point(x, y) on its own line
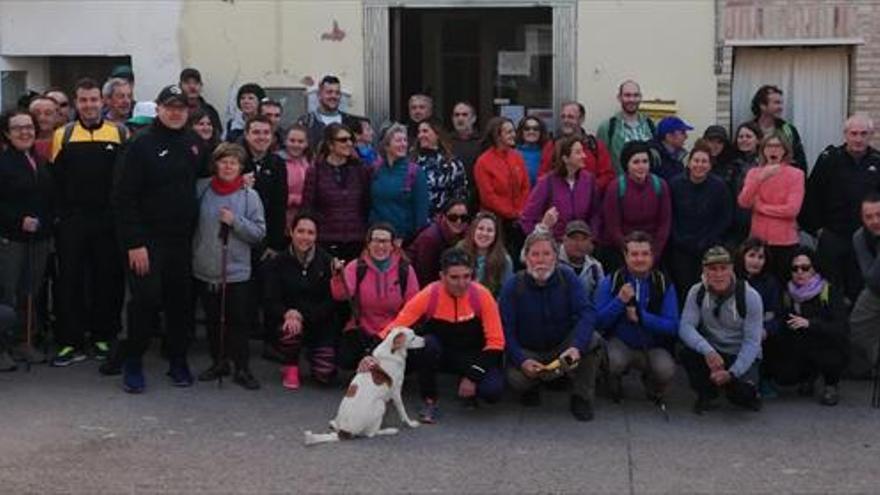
point(145, 30)
point(667, 46)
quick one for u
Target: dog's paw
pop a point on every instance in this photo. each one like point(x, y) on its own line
point(413, 423)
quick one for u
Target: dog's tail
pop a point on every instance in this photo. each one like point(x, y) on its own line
point(316, 438)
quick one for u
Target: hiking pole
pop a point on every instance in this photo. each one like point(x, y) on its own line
point(29, 319)
point(224, 240)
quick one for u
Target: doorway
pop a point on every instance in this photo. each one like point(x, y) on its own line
point(500, 60)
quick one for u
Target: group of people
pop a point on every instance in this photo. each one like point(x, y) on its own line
point(526, 260)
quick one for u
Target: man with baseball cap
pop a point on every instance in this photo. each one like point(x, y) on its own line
point(191, 84)
point(155, 215)
point(668, 147)
point(577, 253)
point(721, 326)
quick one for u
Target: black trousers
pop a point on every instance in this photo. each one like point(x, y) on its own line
point(741, 391)
point(685, 268)
point(780, 261)
point(838, 258)
point(167, 287)
point(793, 357)
point(353, 346)
point(90, 272)
point(231, 341)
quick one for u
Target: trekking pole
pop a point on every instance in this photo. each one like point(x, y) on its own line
point(29, 319)
point(224, 240)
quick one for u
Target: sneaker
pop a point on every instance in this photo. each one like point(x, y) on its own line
point(110, 367)
point(214, 373)
point(244, 378)
point(531, 397)
point(28, 353)
point(429, 412)
point(830, 396)
point(581, 408)
point(67, 356)
point(101, 350)
point(6, 362)
point(133, 380)
point(179, 373)
point(291, 377)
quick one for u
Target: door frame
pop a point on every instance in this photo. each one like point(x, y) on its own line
point(377, 46)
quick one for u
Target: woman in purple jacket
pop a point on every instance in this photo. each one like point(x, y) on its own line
point(568, 193)
point(337, 190)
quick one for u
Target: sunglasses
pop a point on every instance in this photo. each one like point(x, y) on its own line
point(345, 139)
point(801, 268)
point(452, 217)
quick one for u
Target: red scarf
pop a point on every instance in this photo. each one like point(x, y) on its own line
point(224, 188)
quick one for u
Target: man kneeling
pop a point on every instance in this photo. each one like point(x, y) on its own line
point(548, 326)
point(721, 327)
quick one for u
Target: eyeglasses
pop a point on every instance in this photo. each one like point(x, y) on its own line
point(380, 241)
point(344, 139)
point(22, 128)
point(452, 217)
point(533, 128)
point(801, 268)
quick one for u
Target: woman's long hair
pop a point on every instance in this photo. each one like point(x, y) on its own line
point(496, 257)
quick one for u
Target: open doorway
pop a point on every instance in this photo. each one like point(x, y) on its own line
point(500, 60)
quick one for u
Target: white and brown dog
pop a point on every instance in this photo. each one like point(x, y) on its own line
point(363, 407)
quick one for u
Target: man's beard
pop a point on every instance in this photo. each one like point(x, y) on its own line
point(540, 277)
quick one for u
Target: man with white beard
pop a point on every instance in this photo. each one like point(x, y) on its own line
point(548, 328)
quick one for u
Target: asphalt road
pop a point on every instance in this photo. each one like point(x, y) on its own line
point(73, 431)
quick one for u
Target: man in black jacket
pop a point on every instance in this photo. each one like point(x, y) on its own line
point(155, 214)
point(329, 95)
point(767, 109)
point(842, 177)
point(191, 84)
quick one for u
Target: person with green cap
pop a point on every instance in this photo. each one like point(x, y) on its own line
point(721, 326)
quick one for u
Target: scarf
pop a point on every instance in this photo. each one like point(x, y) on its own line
point(225, 188)
point(382, 265)
point(809, 290)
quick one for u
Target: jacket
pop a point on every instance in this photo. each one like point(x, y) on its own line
point(582, 201)
point(667, 164)
point(502, 182)
point(426, 249)
point(340, 197)
point(775, 203)
point(597, 160)
point(541, 317)
point(25, 191)
point(615, 133)
point(270, 182)
point(652, 330)
point(247, 230)
point(790, 132)
point(379, 296)
point(316, 126)
point(155, 193)
point(866, 247)
point(701, 213)
point(640, 208)
point(399, 199)
point(446, 179)
point(770, 291)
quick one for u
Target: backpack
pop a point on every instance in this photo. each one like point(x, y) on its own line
point(361, 272)
point(657, 186)
point(434, 298)
point(612, 126)
point(739, 294)
point(656, 294)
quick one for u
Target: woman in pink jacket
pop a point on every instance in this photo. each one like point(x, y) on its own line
point(377, 284)
point(774, 191)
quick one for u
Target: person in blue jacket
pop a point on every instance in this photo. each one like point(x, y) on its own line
point(637, 312)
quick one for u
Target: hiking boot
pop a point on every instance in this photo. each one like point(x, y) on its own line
point(704, 404)
point(214, 373)
point(244, 378)
point(429, 412)
point(6, 362)
point(178, 371)
point(531, 397)
point(28, 353)
point(133, 380)
point(67, 356)
point(101, 350)
point(806, 389)
point(581, 408)
point(830, 396)
point(291, 377)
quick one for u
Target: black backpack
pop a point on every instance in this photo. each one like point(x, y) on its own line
point(739, 294)
point(361, 272)
point(655, 297)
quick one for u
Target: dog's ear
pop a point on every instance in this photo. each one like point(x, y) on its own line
point(399, 342)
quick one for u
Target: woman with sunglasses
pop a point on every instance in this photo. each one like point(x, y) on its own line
point(376, 285)
point(812, 339)
point(484, 242)
point(399, 188)
point(337, 190)
point(444, 172)
point(531, 138)
point(568, 193)
point(446, 231)
point(774, 192)
point(26, 218)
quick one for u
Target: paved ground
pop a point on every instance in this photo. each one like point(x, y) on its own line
point(73, 431)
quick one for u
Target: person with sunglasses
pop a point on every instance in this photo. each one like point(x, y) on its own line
point(531, 138)
point(448, 228)
point(721, 326)
point(812, 339)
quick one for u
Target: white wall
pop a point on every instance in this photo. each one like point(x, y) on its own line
point(145, 30)
point(667, 46)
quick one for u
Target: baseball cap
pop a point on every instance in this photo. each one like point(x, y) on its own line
point(171, 94)
point(672, 124)
point(144, 112)
point(578, 227)
point(123, 71)
point(191, 73)
point(717, 255)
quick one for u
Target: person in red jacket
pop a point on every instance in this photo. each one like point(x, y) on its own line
point(597, 160)
point(502, 179)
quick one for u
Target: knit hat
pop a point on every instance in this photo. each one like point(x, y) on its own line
point(250, 88)
point(717, 255)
